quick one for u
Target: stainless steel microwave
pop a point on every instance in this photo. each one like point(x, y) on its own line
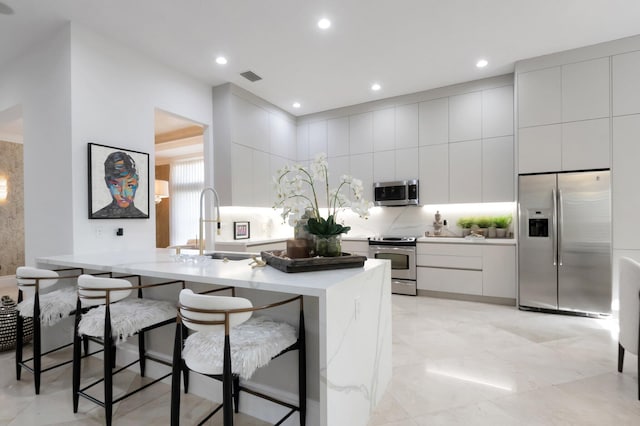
point(396, 193)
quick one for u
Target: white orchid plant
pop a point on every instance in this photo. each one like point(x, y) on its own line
point(296, 193)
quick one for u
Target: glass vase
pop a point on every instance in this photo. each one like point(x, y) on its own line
point(330, 246)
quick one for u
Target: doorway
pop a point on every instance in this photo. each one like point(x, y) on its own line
point(11, 193)
point(179, 161)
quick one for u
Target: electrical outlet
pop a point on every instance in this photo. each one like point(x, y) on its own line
point(99, 231)
point(356, 307)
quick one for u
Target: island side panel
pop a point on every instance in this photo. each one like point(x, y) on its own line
point(358, 346)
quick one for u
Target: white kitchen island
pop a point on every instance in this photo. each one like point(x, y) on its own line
point(348, 327)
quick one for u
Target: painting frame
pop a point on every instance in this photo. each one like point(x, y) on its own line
point(106, 198)
point(241, 230)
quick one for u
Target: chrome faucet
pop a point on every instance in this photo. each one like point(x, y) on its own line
point(203, 220)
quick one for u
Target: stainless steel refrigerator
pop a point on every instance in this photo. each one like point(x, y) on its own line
point(564, 246)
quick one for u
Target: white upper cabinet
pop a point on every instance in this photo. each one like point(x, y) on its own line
point(384, 128)
point(250, 124)
point(302, 143)
point(361, 167)
point(539, 97)
point(407, 164)
point(497, 112)
point(540, 149)
point(242, 175)
point(625, 177)
point(585, 145)
point(434, 121)
point(497, 169)
point(434, 174)
point(585, 90)
point(282, 139)
point(317, 138)
point(261, 179)
point(465, 117)
point(361, 133)
point(338, 137)
point(626, 84)
point(407, 126)
point(338, 167)
point(384, 166)
point(465, 172)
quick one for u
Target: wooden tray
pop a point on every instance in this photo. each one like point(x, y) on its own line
point(274, 258)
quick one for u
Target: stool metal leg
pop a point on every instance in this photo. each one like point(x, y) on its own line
point(19, 339)
point(227, 392)
point(76, 358)
point(37, 349)
point(141, 353)
point(302, 371)
point(108, 368)
point(178, 366)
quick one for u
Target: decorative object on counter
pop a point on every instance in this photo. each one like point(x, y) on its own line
point(502, 225)
point(241, 230)
point(465, 223)
point(437, 224)
point(8, 322)
point(279, 260)
point(296, 194)
point(298, 248)
point(257, 263)
point(483, 223)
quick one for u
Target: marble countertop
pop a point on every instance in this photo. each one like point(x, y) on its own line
point(161, 263)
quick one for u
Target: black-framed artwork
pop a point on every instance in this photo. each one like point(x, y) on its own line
point(118, 183)
point(241, 230)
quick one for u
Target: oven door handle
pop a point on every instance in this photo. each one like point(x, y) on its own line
point(387, 249)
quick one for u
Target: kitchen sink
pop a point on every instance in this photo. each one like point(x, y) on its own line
point(221, 255)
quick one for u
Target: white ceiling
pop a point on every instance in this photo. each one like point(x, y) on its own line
point(406, 45)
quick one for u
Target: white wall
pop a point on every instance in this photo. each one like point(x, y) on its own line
point(115, 91)
point(74, 88)
point(40, 81)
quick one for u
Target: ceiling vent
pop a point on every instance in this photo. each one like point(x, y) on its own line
point(251, 76)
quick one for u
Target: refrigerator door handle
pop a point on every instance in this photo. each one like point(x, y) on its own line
point(554, 232)
point(560, 226)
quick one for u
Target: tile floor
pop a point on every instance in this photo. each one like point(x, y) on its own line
point(455, 363)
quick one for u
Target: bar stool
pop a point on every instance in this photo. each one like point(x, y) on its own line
point(228, 344)
point(46, 309)
point(115, 318)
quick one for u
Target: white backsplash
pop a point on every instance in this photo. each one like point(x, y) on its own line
point(266, 222)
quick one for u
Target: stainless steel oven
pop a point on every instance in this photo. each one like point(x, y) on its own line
point(401, 251)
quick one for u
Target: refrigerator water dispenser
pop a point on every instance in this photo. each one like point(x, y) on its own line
point(538, 223)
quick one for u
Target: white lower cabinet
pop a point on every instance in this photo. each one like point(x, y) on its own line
point(450, 280)
point(478, 269)
point(499, 271)
point(360, 248)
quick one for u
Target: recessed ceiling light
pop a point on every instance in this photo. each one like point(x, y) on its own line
point(296, 105)
point(375, 87)
point(324, 23)
point(482, 63)
point(221, 60)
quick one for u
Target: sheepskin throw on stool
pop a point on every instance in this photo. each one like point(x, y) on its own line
point(253, 344)
point(128, 316)
point(54, 306)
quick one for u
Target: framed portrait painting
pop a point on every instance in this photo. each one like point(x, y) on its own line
point(118, 183)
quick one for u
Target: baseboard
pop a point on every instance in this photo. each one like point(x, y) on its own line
point(468, 297)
